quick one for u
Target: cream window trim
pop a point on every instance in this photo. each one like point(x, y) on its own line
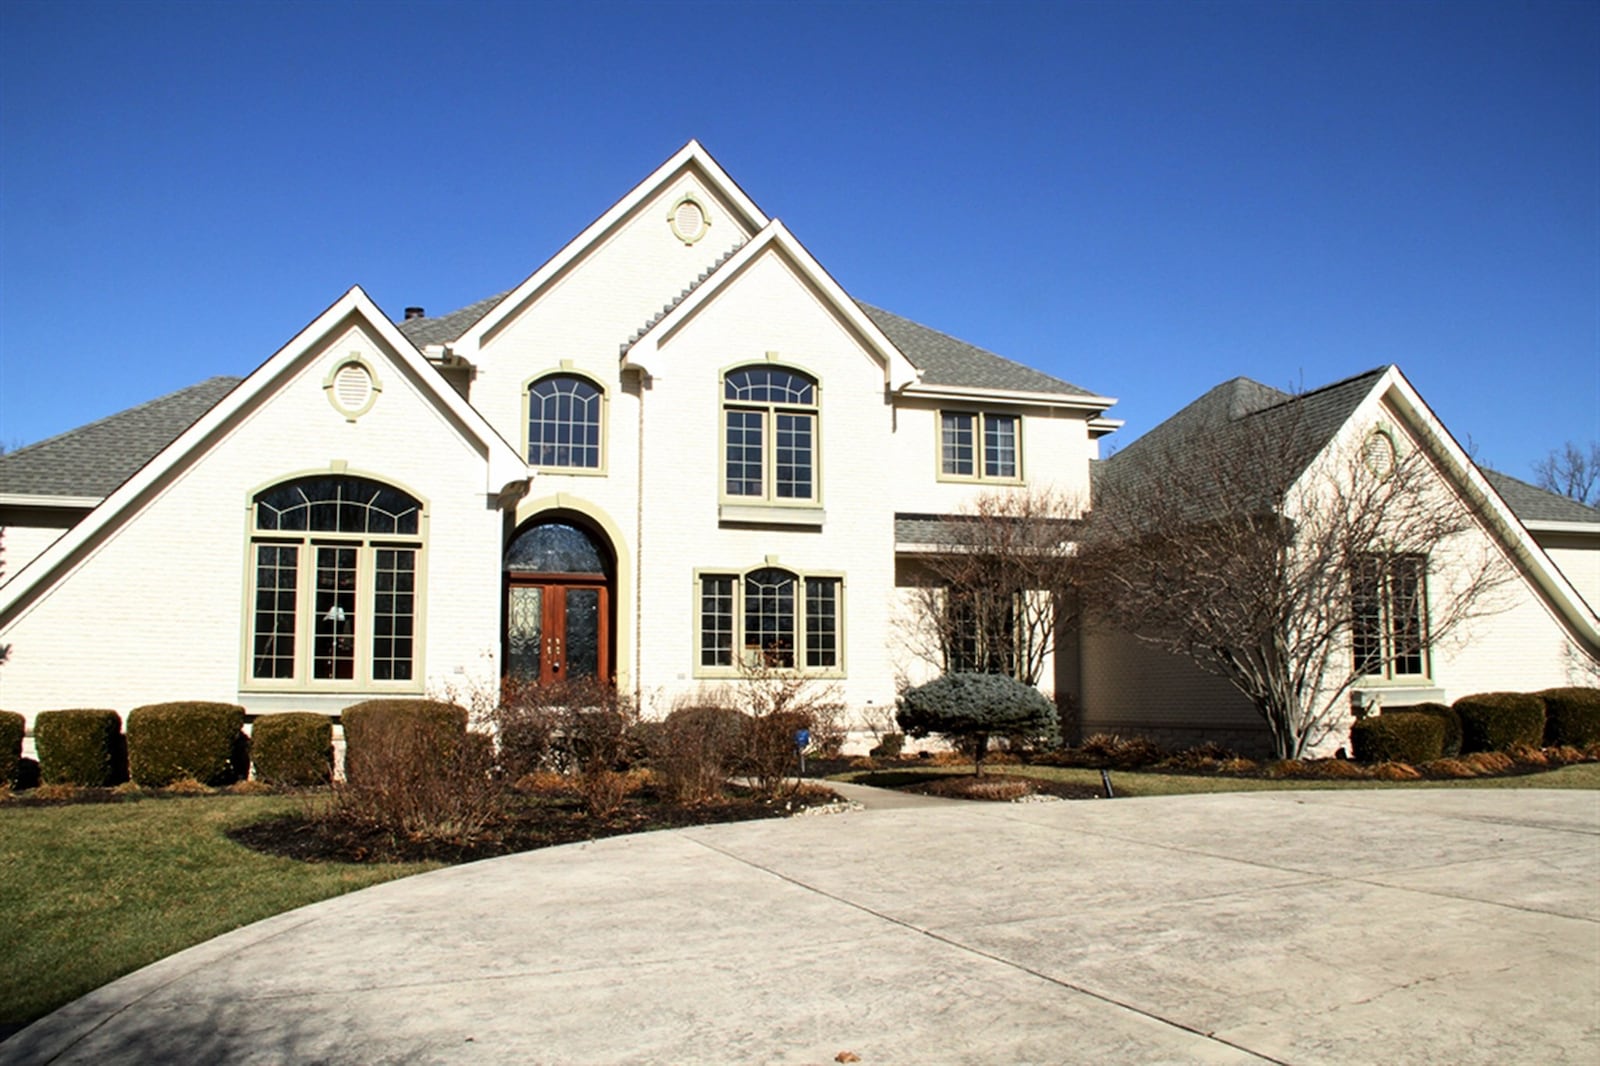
point(979, 447)
point(566, 369)
point(771, 411)
point(837, 671)
point(351, 398)
point(772, 514)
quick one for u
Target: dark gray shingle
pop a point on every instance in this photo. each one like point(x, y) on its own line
point(93, 460)
point(1533, 504)
point(944, 360)
point(446, 328)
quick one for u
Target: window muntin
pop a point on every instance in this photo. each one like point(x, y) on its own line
point(769, 435)
point(771, 617)
point(334, 597)
point(981, 631)
point(564, 419)
point(1389, 623)
point(974, 445)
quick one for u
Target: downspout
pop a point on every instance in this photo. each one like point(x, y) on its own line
point(638, 560)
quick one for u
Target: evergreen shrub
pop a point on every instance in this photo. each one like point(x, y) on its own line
point(1572, 716)
point(12, 726)
point(187, 738)
point(81, 746)
point(378, 731)
point(1446, 714)
point(971, 705)
point(293, 749)
point(1498, 721)
point(1408, 737)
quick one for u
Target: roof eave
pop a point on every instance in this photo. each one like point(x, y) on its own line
point(1075, 401)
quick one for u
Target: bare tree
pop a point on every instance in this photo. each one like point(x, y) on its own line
point(1290, 567)
point(1572, 472)
point(995, 586)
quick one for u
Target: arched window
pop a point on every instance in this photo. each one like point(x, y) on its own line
point(770, 617)
point(564, 422)
point(769, 418)
point(334, 590)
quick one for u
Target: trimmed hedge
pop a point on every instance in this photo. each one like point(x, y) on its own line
point(12, 726)
point(377, 730)
point(1571, 716)
point(293, 749)
point(1413, 738)
point(1446, 714)
point(82, 746)
point(1500, 721)
point(171, 741)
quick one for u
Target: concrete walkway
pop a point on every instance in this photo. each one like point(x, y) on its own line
point(1427, 926)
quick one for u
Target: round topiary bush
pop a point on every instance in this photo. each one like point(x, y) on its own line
point(1414, 737)
point(380, 735)
point(977, 706)
point(294, 749)
point(1572, 716)
point(81, 746)
point(1446, 714)
point(171, 741)
point(1498, 721)
point(12, 726)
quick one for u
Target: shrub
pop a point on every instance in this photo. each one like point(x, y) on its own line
point(1494, 721)
point(1572, 716)
point(1445, 714)
point(80, 747)
point(170, 741)
point(889, 746)
point(977, 705)
point(1395, 771)
point(1489, 762)
point(1398, 737)
point(12, 726)
point(1124, 752)
point(768, 751)
point(294, 749)
point(695, 750)
point(408, 731)
point(27, 773)
point(1449, 768)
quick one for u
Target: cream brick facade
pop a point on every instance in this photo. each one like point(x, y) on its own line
point(149, 597)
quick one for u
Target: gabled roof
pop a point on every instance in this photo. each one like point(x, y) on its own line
point(446, 328)
point(92, 460)
point(1240, 409)
point(945, 360)
point(1535, 505)
point(502, 463)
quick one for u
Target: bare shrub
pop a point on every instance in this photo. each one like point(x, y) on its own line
point(415, 784)
point(781, 703)
point(1489, 762)
point(696, 749)
point(1122, 751)
point(1451, 767)
point(999, 789)
point(1395, 771)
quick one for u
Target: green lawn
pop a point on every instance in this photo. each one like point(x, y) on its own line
point(90, 892)
point(1137, 783)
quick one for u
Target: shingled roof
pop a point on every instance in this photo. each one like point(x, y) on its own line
point(1223, 422)
point(1533, 504)
point(92, 460)
point(944, 360)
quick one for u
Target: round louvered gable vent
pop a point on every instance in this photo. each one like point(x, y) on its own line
point(689, 220)
point(352, 388)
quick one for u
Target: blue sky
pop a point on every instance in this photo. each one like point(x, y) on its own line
point(1145, 199)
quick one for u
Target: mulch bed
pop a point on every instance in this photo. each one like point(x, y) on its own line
point(534, 822)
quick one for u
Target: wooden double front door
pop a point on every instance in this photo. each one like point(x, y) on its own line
point(556, 630)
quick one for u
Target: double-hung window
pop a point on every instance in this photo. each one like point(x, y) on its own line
point(769, 436)
point(771, 617)
point(981, 445)
point(1389, 605)
point(334, 589)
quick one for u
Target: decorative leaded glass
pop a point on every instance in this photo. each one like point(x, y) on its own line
point(769, 384)
point(556, 548)
point(335, 504)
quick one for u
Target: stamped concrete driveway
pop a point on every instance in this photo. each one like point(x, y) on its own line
point(1421, 926)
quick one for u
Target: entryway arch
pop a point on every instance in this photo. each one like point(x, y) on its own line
point(560, 601)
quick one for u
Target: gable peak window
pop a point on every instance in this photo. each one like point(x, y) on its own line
point(982, 445)
point(769, 418)
point(334, 593)
point(564, 422)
